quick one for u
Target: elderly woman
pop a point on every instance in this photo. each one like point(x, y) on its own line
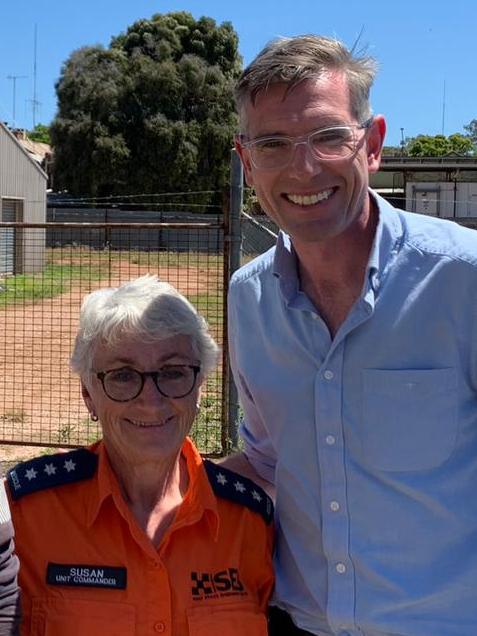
point(137, 535)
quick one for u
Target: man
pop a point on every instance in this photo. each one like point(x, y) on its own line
point(354, 349)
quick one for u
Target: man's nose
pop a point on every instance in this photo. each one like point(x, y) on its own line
point(303, 160)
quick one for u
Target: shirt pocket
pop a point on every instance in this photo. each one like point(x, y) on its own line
point(409, 418)
point(75, 617)
point(231, 620)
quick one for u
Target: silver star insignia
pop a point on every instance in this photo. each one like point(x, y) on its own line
point(69, 465)
point(239, 486)
point(50, 469)
point(222, 479)
point(31, 474)
point(256, 496)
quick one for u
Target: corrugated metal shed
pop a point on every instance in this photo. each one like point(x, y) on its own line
point(23, 199)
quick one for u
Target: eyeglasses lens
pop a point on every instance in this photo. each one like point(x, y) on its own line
point(125, 384)
point(330, 143)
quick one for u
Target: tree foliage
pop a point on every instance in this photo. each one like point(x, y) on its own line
point(440, 146)
point(153, 112)
point(40, 133)
point(471, 129)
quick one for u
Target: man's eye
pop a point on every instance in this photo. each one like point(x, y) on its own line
point(334, 136)
point(271, 144)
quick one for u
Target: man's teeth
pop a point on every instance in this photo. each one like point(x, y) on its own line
point(310, 199)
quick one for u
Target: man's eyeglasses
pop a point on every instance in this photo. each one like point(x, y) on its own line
point(329, 144)
point(126, 383)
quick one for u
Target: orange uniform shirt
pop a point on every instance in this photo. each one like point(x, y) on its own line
point(88, 569)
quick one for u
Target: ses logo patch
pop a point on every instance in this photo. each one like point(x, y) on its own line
point(216, 584)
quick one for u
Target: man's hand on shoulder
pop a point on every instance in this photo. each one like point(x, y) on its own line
point(239, 463)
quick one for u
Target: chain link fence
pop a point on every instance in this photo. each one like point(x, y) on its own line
point(46, 270)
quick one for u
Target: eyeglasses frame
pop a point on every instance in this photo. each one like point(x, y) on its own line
point(302, 139)
point(149, 374)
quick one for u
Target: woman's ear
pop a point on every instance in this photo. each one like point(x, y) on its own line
point(375, 141)
point(88, 399)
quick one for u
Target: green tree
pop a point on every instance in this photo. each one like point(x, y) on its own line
point(392, 151)
point(471, 129)
point(153, 112)
point(40, 133)
point(440, 145)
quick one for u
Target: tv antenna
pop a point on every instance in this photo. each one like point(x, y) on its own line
point(34, 102)
point(14, 79)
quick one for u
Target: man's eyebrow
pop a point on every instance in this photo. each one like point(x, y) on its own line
point(331, 123)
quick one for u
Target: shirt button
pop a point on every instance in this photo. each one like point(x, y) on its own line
point(340, 568)
point(334, 505)
point(330, 440)
point(328, 375)
point(159, 627)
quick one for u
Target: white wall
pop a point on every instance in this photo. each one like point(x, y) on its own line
point(444, 199)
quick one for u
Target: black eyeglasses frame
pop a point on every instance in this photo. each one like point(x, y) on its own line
point(101, 375)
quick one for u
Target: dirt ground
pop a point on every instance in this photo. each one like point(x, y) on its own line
point(39, 397)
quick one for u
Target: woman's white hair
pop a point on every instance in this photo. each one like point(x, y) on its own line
point(147, 309)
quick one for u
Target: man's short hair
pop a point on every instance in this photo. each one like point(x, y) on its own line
point(289, 61)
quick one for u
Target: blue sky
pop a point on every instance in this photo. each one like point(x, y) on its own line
point(420, 45)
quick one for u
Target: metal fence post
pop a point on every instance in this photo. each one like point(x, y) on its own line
point(235, 239)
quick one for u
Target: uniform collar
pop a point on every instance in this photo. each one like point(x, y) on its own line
point(199, 499)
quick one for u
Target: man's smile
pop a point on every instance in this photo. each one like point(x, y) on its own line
point(309, 199)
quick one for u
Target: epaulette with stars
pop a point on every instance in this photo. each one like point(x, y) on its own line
point(50, 471)
point(229, 485)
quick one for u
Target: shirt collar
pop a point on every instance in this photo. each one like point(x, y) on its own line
point(386, 244)
point(199, 499)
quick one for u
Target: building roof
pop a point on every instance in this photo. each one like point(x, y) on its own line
point(449, 162)
point(27, 154)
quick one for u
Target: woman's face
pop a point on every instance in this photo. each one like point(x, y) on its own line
point(150, 426)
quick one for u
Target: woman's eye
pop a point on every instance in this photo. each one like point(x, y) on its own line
point(122, 375)
point(173, 373)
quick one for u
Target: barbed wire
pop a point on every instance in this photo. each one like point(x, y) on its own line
point(139, 195)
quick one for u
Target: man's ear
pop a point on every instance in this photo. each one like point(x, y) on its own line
point(245, 159)
point(375, 141)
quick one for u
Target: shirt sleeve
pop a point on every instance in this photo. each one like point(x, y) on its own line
point(9, 590)
point(258, 446)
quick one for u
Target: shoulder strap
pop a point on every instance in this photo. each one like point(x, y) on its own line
point(230, 485)
point(50, 471)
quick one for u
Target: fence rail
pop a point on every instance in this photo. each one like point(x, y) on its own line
point(46, 271)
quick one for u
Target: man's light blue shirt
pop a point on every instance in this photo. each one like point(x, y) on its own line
point(370, 437)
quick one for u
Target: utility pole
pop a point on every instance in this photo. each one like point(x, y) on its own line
point(403, 143)
point(14, 79)
point(35, 102)
point(443, 108)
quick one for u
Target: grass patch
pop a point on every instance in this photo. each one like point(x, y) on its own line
point(52, 281)
point(143, 258)
point(17, 416)
point(209, 306)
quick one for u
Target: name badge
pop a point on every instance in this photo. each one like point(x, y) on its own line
point(74, 575)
